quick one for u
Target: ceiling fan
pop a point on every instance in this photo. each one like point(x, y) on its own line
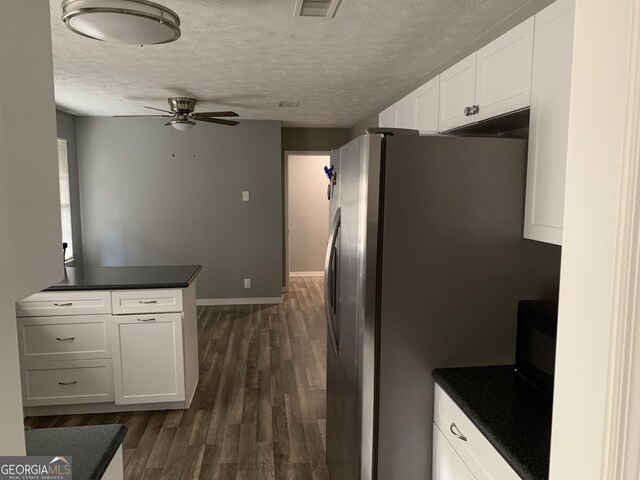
point(183, 117)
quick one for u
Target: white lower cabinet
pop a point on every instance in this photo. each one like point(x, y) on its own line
point(472, 447)
point(111, 351)
point(447, 465)
point(148, 358)
point(71, 382)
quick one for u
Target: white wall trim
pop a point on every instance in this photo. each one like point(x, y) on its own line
point(622, 427)
point(239, 301)
point(596, 417)
point(306, 274)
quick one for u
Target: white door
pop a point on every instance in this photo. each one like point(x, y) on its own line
point(549, 124)
point(148, 360)
point(404, 112)
point(503, 78)
point(427, 100)
point(447, 465)
point(307, 213)
point(457, 92)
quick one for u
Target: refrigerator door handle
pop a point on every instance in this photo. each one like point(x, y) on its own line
point(330, 279)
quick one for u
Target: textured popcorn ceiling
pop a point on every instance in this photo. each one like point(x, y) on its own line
point(250, 54)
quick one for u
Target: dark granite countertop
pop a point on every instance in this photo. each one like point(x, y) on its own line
point(91, 448)
point(512, 417)
point(125, 278)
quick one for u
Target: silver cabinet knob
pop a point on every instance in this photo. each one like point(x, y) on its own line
point(456, 432)
point(475, 109)
point(467, 111)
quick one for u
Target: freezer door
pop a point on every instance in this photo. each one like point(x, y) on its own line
point(350, 390)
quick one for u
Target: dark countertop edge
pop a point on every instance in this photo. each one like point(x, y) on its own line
point(111, 452)
point(121, 286)
point(105, 459)
point(520, 468)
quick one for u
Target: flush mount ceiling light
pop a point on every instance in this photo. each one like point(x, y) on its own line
point(126, 22)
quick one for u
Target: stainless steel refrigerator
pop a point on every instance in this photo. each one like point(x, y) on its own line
point(425, 265)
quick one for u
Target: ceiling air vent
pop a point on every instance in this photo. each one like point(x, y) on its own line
point(316, 8)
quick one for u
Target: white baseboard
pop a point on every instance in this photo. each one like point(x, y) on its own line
point(238, 301)
point(306, 274)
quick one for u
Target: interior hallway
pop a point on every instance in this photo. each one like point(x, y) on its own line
point(259, 412)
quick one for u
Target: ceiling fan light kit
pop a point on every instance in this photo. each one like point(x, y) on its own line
point(125, 22)
point(183, 117)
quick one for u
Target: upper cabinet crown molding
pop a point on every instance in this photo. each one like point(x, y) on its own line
point(549, 124)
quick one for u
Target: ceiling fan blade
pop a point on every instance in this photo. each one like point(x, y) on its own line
point(142, 116)
point(216, 114)
point(159, 109)
point(231, 123)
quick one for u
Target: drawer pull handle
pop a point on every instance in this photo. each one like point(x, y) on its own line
point(456, 432)
point(68, 304)
point(67, 383)
point(68, 339)
point(147, 302)
point(146, 319)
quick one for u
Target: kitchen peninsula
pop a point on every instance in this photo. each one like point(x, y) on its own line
point(110, 339)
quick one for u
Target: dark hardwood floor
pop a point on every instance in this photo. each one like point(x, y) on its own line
point(259, 412)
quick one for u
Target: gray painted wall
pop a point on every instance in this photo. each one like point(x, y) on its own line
point(152, 195)
point(66, 124)
point(308, 140)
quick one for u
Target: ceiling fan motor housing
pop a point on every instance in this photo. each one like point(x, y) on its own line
point(182, 104)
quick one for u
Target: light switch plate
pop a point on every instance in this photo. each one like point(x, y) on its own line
point(245, 196)
point(247, 283)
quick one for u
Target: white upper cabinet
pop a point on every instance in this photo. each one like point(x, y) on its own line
point(419, 109)
point(493, 81)
point(503, 75)
point(386, 118)
point(427, 100)
point(457, 93)
point(551, 85)
point(404, 112)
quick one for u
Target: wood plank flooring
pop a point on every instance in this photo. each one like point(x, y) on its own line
point(260, 409)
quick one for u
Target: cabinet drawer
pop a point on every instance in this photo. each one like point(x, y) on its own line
point(146, 301)
point(64, 338)
point(63, 383)
point(45, 304)
point(477, 453)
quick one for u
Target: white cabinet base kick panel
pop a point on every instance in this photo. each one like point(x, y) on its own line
point(108, 351)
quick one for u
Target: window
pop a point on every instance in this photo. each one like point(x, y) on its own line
point(65, 198)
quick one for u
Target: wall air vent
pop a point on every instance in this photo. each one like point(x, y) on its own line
point(316, 8)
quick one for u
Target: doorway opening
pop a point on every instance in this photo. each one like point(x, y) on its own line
point(306, 213)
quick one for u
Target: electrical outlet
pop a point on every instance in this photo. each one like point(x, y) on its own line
point(247, 283)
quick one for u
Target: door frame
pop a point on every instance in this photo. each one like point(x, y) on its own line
point(285, 229)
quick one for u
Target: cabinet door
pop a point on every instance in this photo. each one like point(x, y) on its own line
point(549, 124)
point(404, 112)
point(148, 358)
point(427, 100)
point(447, 465)
point(386, 118)
point(503, 78)
point(457, 91)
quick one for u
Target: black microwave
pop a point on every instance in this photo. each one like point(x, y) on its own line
point(536, 344)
